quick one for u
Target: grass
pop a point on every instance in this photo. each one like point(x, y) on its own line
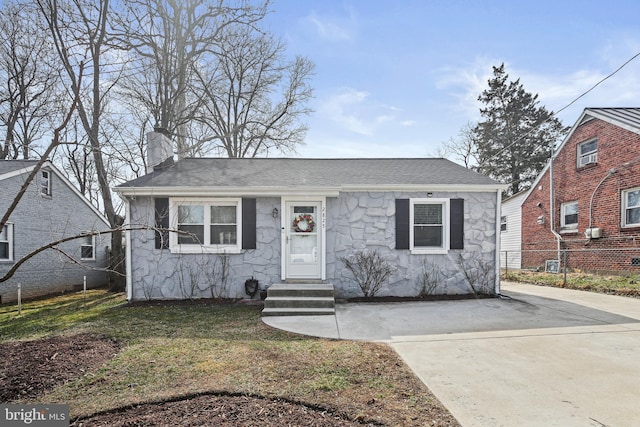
point(177, 349)
point(616, 285)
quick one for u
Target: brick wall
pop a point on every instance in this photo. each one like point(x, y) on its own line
point(39, 220)
point(617, 169)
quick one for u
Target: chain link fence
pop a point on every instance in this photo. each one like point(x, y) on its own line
point(617, 261)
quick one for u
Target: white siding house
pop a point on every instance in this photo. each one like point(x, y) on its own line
point(511, 231)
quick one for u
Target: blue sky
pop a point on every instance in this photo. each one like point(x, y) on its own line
point(396, 79)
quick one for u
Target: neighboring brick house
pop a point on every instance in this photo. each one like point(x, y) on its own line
point(593, 211)
point(50, 209)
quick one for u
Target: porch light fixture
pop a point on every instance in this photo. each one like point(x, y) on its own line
point(274, 213)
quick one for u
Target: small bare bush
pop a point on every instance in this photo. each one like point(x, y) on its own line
point(370, 270)
point(429, 278)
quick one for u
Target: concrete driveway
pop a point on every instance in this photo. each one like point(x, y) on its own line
point(540, 357)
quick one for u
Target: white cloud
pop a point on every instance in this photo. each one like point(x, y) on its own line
point(353, 110)
point(333, 28)
point(555, 91)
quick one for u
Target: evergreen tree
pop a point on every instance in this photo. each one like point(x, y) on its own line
point(515, 137)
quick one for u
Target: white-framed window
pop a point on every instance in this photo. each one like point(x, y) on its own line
point(205, 225)
point(631, 208)
point(6, 242)
point(503, 223)
point(45, 183)
point(429, 226)
point(587, 152)
point(569, 216)
point(88, 248)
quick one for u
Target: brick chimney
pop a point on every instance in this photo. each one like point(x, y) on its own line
point(159, 150)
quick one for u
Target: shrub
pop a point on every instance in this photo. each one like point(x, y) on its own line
point(370, 270)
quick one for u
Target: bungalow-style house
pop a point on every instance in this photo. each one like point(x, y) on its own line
point(586, 202)
point(277, 220)
point(51, 209)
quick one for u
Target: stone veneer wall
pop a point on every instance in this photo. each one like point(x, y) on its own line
point(366, 221)
point(159, 274)
point(355, 221)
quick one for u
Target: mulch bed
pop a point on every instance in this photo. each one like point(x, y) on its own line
point(29, 368)
point(219, 410)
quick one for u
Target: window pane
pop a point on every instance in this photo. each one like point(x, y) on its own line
point(190, 214)
point(633, 216)
point(589, 147)
point(223, 235)
point(427, 214)
point(4, 250)
point(195, 237)
point(427, 236)
point(571, 219)
point(3, 234)
point(570, 209)
point(304, 209)
point(223, 214)
point(86, 252)
point(633, 199)
point(570, 213)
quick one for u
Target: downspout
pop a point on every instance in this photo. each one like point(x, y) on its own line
point(127, 235)
point(497, 252)
point(552, 207)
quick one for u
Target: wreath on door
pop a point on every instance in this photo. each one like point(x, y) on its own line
point(304, 223)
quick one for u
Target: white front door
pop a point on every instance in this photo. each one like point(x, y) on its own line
point(304, 253)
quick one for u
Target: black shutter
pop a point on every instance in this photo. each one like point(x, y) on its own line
point(248, 223)
point(162, 222)
point(456, 221)
point(402, 223)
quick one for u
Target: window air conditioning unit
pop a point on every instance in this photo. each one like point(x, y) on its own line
point(591, 158)
point(593, 233)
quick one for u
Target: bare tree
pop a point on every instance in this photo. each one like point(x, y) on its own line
point(462, 149)
point(80, 30)
point(26, 94)
point(253, 96)
point(169, 38)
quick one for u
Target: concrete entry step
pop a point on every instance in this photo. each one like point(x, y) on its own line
point(299, 299)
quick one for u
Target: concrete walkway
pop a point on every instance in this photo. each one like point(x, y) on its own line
point(540, 357)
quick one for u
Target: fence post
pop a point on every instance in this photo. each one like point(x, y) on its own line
point(564, 268)
point(19, 299)
point(506, 265)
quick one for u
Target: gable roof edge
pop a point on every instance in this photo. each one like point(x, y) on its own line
point(48, 165)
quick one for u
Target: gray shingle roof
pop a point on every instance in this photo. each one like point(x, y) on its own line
point(7, 166)
point(281, 172)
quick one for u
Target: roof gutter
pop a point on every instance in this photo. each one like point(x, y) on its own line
point(329, 191)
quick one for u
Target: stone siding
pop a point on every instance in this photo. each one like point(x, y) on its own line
point(159, 274)
point(355, 221)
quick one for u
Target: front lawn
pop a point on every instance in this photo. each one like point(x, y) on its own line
point(168, 350)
